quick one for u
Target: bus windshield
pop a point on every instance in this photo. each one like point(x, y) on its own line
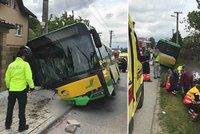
point(64, 58)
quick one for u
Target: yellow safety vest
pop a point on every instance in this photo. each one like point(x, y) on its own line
point(18, 75)
point(179, 69)
point(193, 91)
point(156, 58)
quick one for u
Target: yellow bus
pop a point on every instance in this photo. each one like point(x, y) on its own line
point(169, 52)
point(73, 61)
point(135, 77)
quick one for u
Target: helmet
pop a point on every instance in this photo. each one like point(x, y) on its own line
point(27, 50)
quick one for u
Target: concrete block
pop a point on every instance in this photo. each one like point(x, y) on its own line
point(70, 128)
point(74, 122)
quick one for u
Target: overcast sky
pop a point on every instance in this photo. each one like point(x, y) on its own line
point(153, 17)
point(104, 15)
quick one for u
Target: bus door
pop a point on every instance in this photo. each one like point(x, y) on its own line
point(114, 69)
point(105, 64)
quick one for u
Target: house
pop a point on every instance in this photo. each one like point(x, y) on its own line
point(13, 32)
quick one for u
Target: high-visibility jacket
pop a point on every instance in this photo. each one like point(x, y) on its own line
point(156, 58)
point(192, 92)
point(179, 69)
point(18, 75)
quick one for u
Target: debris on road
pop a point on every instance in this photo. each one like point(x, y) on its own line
point(72, 126)
point(74, 122)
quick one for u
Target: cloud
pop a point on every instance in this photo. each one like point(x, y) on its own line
point(109, 15)
point(104, 16)
point(153, 18)
point(57, 7)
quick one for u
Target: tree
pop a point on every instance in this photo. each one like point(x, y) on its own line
point(198, 2)
point(194, 20)
point(153, 42)
point(191, 43)
point(35, 28)
point(64, 20)
point(180, 40)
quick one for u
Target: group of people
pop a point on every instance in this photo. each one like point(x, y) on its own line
point(181, 80)
point(146, 56)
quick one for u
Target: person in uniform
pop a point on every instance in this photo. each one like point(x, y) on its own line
point(192, 101)
point(156, 64)
point(18, 75)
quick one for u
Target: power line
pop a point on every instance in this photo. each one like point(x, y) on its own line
point(99, 21)
point(100, 15)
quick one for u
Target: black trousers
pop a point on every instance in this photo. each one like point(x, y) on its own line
point(22, 101)
point(146, 68)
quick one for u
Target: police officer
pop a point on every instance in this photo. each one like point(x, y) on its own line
point(156, 64)
point(18, 74)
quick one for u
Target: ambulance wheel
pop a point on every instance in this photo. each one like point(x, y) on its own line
point(140, 104)
point(131, 124)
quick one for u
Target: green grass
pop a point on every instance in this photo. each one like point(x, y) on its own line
point(176, 120)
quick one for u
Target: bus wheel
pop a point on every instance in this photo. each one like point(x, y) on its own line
point(140, 104)
point(131, 124)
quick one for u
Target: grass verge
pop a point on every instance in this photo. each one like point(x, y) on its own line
point(176, 120)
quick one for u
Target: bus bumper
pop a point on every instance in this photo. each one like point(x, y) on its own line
point(83, 100)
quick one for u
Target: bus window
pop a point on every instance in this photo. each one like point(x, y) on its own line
point(105, 55)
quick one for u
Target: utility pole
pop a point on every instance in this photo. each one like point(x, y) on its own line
point(45, 15)
point(177, 22)
point(111, 34)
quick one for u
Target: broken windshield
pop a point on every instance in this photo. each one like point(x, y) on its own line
point(62, 59)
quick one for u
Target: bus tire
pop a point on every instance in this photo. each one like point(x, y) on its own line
point(131, 124)
point(140, 104)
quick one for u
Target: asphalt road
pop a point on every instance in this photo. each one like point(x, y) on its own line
point(103, 116)
point(144, 117)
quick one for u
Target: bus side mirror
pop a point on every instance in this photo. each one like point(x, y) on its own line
point(96, 38)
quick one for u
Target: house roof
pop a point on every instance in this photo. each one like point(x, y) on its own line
point(25, 10)
point(7, 25)
point(22, 8)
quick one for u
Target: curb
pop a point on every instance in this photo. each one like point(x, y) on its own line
point(54, 121)
point(156, 128)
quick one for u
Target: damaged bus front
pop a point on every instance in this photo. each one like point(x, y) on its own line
point(73, 61)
